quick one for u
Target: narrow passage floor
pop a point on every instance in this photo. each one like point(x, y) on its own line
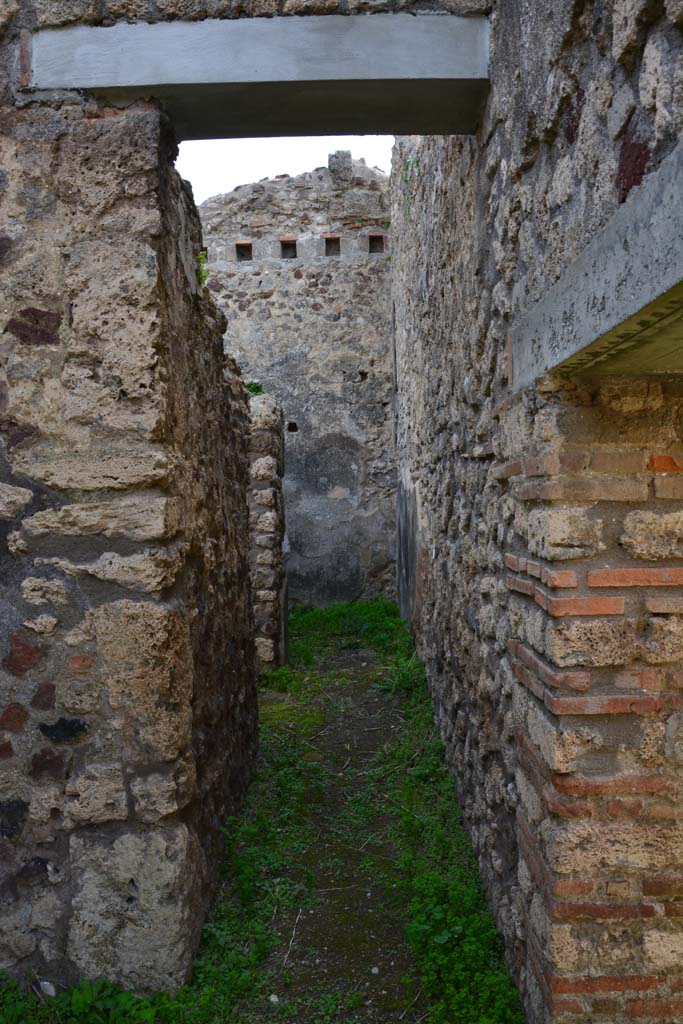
point(351, 892)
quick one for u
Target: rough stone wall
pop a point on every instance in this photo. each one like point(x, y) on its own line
point(127, 703)
point(267, 529)
point(314, 330)
point(540, 533)
point(48, 13)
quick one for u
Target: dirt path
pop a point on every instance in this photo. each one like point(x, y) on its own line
point(347, 948)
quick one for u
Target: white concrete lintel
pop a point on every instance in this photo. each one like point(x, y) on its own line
point(618, 309)
point(357, 71)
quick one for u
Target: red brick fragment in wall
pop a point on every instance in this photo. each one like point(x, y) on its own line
point(13, 718)
point(33, 326)
point(633, 160)
point(558, 579)
point(664, 464)
point(6, 750)
point(519, 585)
point(80, 664)
point(24, 654)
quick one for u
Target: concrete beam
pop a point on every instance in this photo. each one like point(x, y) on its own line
point(618, 310)
point(384, 73)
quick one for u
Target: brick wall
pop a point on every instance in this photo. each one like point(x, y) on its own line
point(594, 579)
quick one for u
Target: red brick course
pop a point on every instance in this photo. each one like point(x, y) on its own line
point(663, 886)
point(559, 606)
point(635, 578)
point(557, 678)
point(660, 1009)
point(606, 983)
point(664, 605)
point(603, 911)
point(615, 785)
point(605, 705)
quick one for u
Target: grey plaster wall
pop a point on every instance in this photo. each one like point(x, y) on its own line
point(314, 332)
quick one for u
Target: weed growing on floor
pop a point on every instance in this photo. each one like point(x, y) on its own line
point(317, 633)
point(405, 802)
point(457, 951)
point(86, 1003)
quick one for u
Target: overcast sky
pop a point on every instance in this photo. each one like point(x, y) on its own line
point(219, 165)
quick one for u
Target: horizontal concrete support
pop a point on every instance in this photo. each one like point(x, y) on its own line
point(618, 310)
point(393, 73)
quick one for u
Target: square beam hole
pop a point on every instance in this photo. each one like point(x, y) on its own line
point(333, 246)
point(288, 248)
point(244, 251)
point(376, 243)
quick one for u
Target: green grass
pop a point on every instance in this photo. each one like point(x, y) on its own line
point(316, 633)
point(202, 268)
point(457, 954)
point(457, 951)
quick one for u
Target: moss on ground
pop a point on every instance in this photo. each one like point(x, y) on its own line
point(397, 811)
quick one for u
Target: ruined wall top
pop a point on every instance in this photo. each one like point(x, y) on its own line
point(340, 210)
point(299, 265)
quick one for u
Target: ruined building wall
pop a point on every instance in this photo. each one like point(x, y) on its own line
point(540, 533)
point(267, 530)
point(313, 330)
point(52, 13)
point(127, 705)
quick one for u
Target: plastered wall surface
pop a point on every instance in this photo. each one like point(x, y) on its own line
point(313, 328)
point(540, 533)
